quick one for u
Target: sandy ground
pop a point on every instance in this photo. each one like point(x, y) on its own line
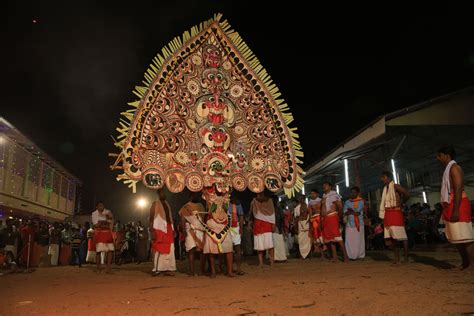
point(427, 286)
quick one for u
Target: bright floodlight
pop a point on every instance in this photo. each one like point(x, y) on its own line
point(141, 202)
point(337, 188)
point(394, 171)
point(425, 200)
point(346, 171)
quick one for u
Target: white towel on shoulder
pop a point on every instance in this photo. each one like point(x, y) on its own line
point(331, 197)
point(446, 185)
point(389, 199)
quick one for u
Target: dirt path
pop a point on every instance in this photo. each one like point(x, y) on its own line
point(427, 286)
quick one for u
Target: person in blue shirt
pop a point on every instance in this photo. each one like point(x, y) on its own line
point(354, 218)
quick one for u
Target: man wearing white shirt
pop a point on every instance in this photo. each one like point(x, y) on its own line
point(102, 220)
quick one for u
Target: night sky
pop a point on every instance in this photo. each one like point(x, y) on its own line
point(67, 77)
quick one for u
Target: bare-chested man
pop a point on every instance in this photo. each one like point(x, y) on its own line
point(456, 208)
point(314, 206)
point(102, 220)
point(331, 210)
point(391, 212)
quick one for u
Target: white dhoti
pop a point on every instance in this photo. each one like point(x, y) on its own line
point(304, 238)
point(280, 247)
point(164, 261)
point(459, 232)
point(235, 236)
point(211, 246)
point(355, 242)
point(395, 232)
point(53, 250)
point(91, 256)
point(191, 236)
point(263, 241)
point(105, 247)
point(194, 233)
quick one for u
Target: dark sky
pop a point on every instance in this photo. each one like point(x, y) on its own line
point(67, 77)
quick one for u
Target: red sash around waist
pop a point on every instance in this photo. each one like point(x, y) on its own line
point(261, 227)
point(331, 226)
point(103, 235)
point(464, 208)
point(393, 217)
point(163, 241)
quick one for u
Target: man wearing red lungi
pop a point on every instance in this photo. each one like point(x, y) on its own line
point(392, 215)
point(457, 214)
point(331, 210)
point(102, 220)
point(161, 220)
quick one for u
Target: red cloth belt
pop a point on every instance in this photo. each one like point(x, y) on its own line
point(103, 235)
point(261, 227)
point(91, 245)
point(465, 212)
point(393, 217)
point(331, 226)
point(163, 241)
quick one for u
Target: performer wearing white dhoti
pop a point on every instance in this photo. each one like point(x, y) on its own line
point(278, 238)
point(54, 241)
point(354, 218)
point(102, 221)
point(390, 211)
point(304, 234)
point(263, 213)
point(161, 219)
point(280, 246)
point(91, 254)
point(457, 212)
point(190, 214)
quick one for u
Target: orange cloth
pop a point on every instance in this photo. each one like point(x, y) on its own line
point(356, 217)
point(316, 221)
point(357, 222)
point(234, 215)
point(464, 208)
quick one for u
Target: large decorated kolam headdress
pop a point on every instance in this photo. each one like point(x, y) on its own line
point(209, 116)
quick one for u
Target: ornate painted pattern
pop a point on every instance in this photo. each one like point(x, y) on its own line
point(209, 117)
